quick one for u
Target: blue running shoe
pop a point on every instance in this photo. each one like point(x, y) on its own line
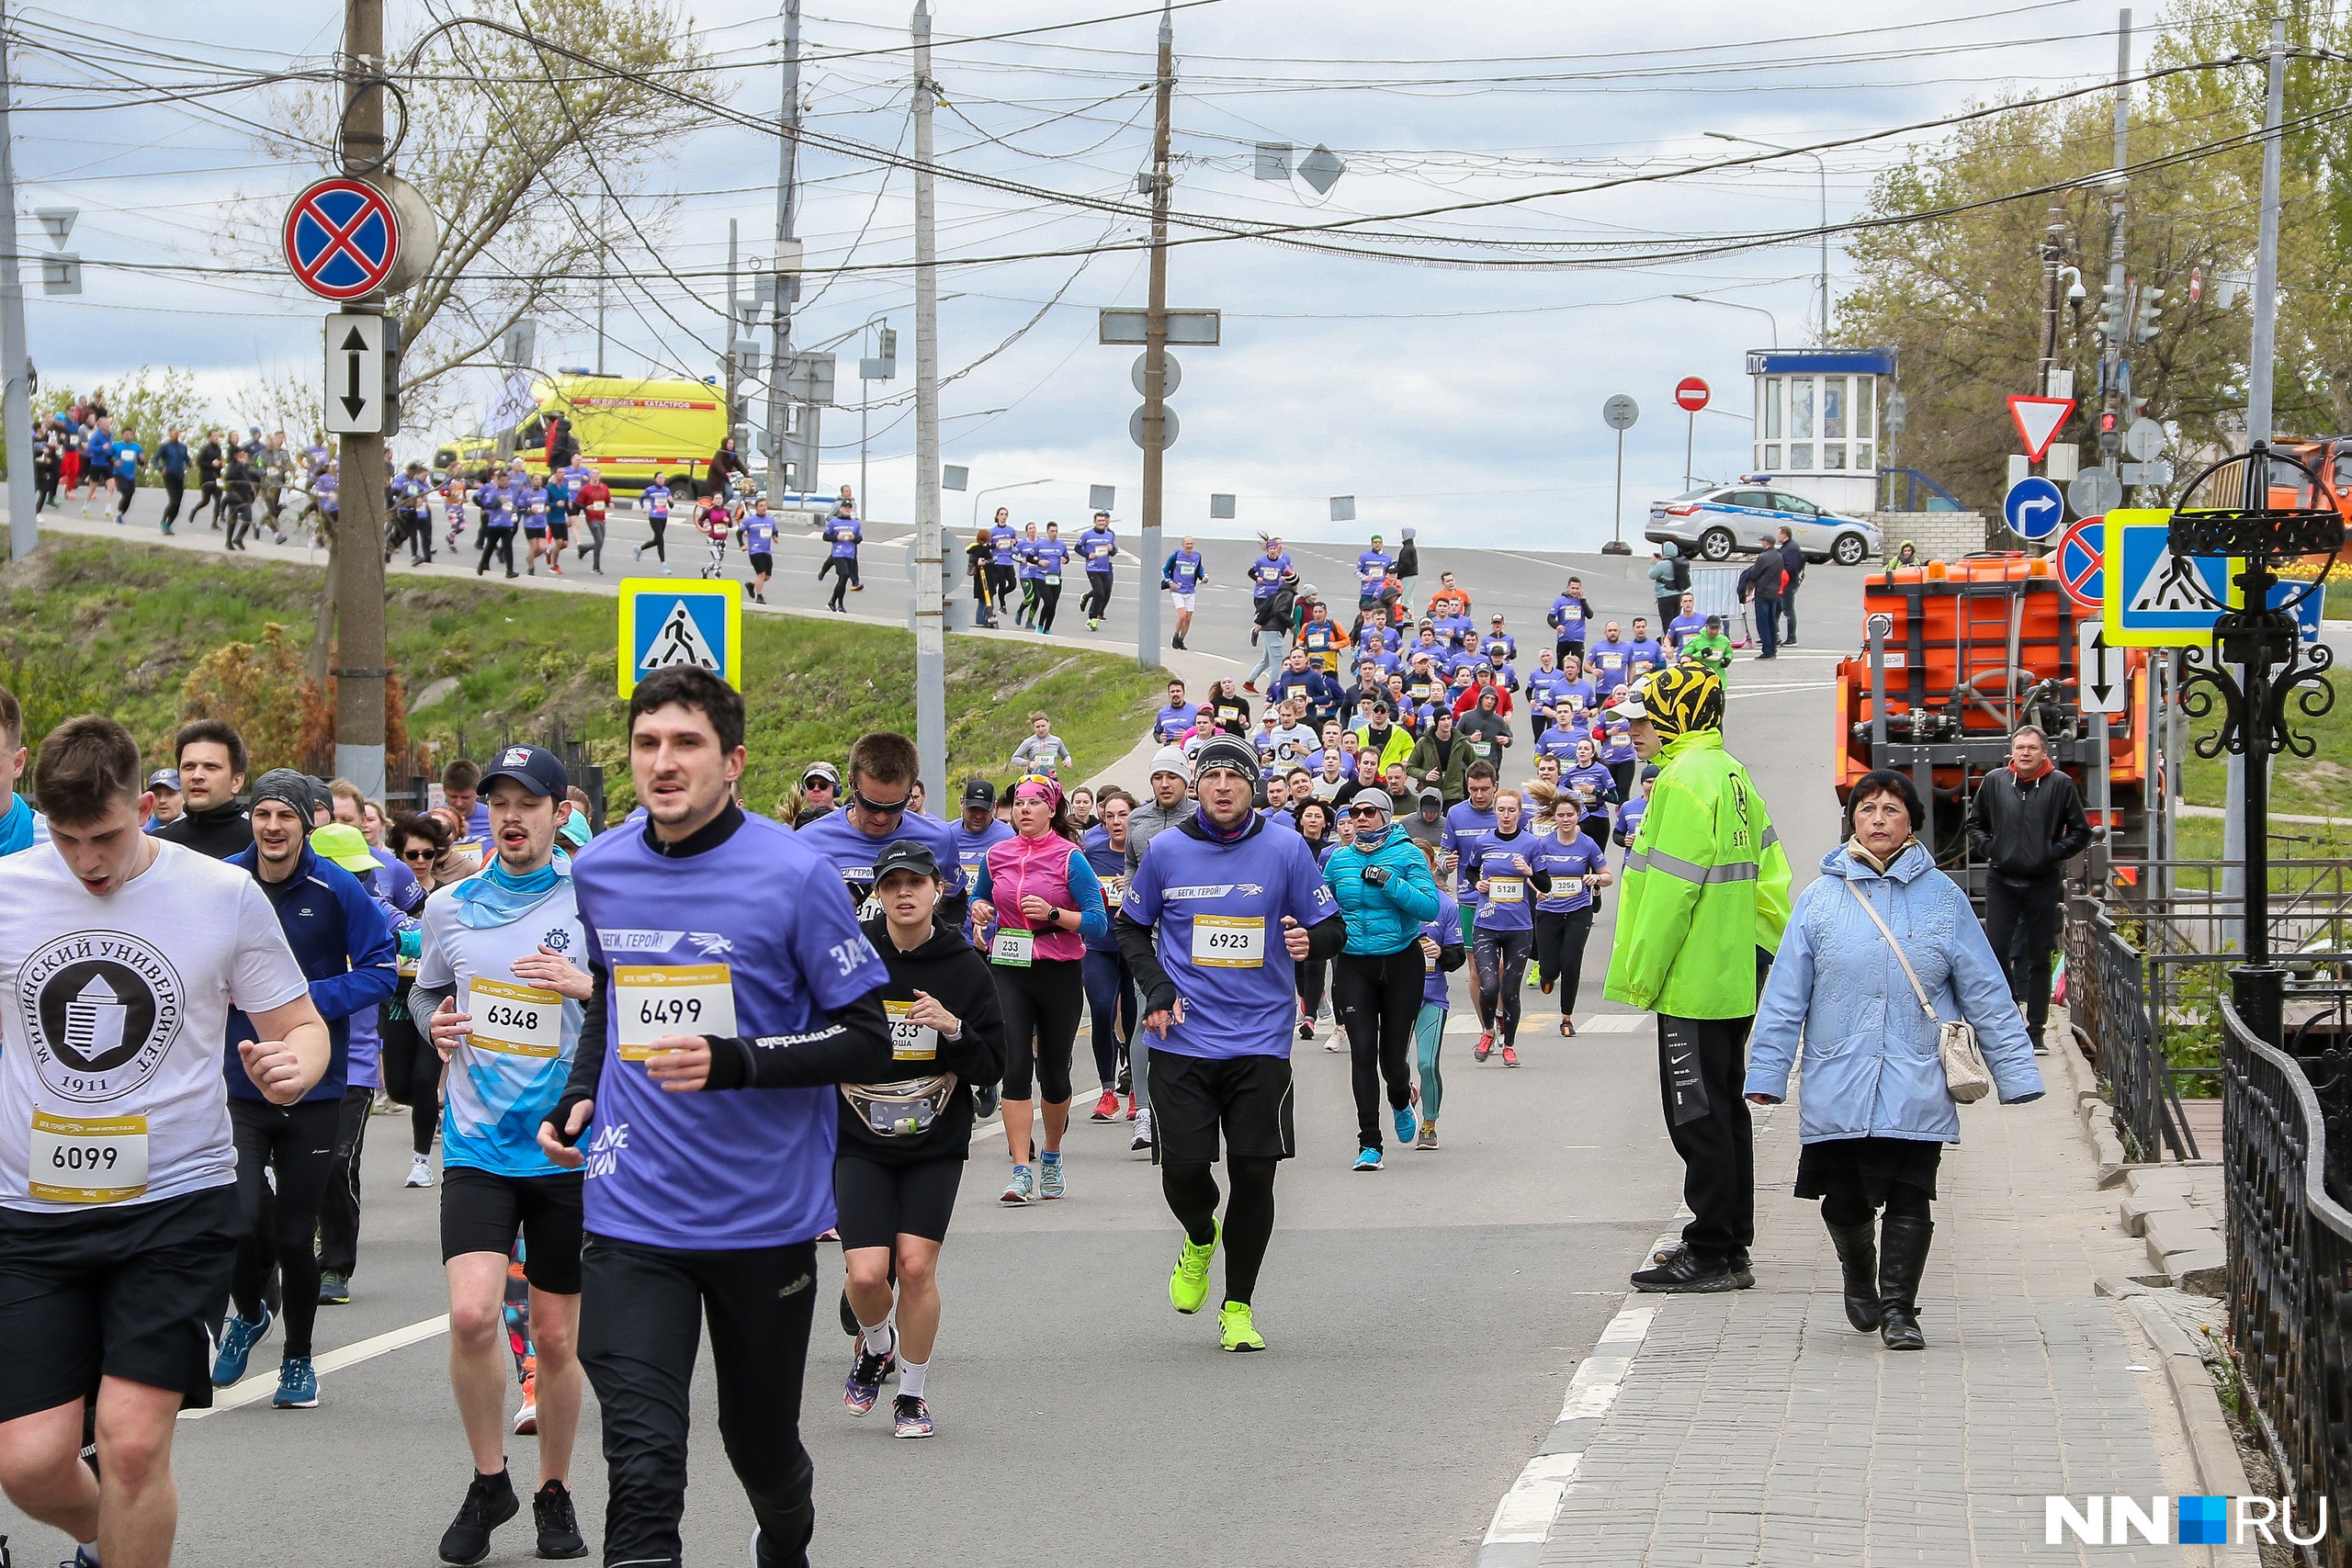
point(863, 1385)
point(1368, 1159)
point(237, 1342)
point(1405, 1126)
point(298, 1384)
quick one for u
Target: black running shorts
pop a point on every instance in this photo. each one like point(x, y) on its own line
point(877, 1203)
point(763, 564)
point(483, 1213)
point(130, 1290)
point(1248, 1097)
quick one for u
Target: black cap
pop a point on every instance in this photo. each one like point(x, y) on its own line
point(536, 770)
point(1226, 752)
point(1433, 797)
point(905, 854)
point(978, 793)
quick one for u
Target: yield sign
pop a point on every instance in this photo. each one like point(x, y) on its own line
point(2038, 420)
point(342, 239)
point(2082, 564)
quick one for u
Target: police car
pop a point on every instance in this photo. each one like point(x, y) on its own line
point(1716, 522)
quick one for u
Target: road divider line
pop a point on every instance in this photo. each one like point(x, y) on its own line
point(1522, 1520)
point(261, 1385)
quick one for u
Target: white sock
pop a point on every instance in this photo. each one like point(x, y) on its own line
point(910, 1376)
point(880, 1337)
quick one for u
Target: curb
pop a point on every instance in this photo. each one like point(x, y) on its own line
point(2092, 1111)
point(2211, 1448)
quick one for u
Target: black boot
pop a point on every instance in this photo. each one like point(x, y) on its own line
point(1901, 1258)
point(1858, 1256)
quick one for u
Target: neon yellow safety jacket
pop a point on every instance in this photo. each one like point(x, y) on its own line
point(1706, 886)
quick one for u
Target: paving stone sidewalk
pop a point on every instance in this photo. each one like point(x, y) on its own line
point(1757, 1428)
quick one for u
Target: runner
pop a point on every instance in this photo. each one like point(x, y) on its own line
point(1382, 883)
point(904, 1144)
point(117, 1210)
point(286, 1153)
point(1441, 953)
point(1373, 568)
point(21, 826)
point(211, 756)
point(1594, 787)
point(842, 535)
point(1216, 918)
point(1039, 892)
point(758, 543)
point(1003, 562)
point(973, 832)
point(705, 915)
point(1052, 554)
point(1043, 752)
point(558, 492)
point(594, 500)
point(715, 519)
point(1503, 932)
point(655, 498)
point(410, 1066)
point(1110, 984)
point(1032, 575)
point(1578, 865)
point(1468, 825)
point(499, 983)
point(1182, 575)
point(882, 773)
point(1099, 548)
point(496, 500)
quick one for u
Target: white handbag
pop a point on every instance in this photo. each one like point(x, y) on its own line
point(1965, 1074)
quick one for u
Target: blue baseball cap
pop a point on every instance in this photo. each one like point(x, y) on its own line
point(534, 769)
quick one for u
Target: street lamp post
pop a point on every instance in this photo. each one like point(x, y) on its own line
point(1823, 169)
point(992, 489)
point(1735, 305)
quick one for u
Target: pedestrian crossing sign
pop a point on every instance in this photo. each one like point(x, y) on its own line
point(2153, 599)
point(666, 625)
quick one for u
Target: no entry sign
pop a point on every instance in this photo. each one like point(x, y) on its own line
point(1691, 394)
point(342, 239)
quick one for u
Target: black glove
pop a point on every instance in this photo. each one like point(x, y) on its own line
point(1376, 874)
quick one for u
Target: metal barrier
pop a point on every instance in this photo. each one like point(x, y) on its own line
point(2291, 1275)
point(2107, 999)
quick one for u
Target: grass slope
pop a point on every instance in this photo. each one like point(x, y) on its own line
point(121, 625)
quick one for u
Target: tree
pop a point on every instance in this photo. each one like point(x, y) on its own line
point(514, 148)
point(141, 405)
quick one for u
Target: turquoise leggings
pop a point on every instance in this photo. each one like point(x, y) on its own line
point(1428, 1035)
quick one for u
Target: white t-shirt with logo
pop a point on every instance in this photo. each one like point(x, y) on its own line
point(112, 1023)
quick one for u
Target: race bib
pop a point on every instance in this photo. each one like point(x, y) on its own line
point(1229, 942)
point(671, 998)
point(1567, 887)
point(1507, 890)
point(87, 1159)
point(518, 1020)
point(910, 1042)
point(1013, 948)
point(1053, 580)
point(1480, 748)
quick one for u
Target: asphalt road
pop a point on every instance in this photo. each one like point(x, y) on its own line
point(1422, 1322)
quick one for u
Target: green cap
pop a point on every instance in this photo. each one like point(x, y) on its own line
point(345, 845)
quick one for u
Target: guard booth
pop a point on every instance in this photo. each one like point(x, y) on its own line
point(1818, 423)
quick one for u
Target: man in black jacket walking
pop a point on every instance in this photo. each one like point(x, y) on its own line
point(1792, 560)
point(2026, 822)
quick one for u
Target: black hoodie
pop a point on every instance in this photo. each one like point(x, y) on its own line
point(947, 969)
point(220, 833)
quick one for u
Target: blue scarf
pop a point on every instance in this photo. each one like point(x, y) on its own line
point(499, 897)
point(1369, 846)
point(17, 828)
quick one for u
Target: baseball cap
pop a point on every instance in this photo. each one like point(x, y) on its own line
point(534, 768)
point(1168, 760)
point(979, 792)
point(905, 854)
point(1226, 751)
point(344, 844)
point(824, 771)
point(163, 778)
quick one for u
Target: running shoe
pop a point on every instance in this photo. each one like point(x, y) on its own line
point(1510, 1056)
point(335, 1289)
point(1142, 1140)
point(1188, 1287)
point(420, 1171)
point(1306, 1029)
point(526, 1420)
point(557, 1522)
point(1688, 1272)
point(1132, 1106)
point(490, 1503)
point(1408, 1128)
point(1237, 1329)
point(865, 1382)
point(1023, 1187)
point(1547, 987)
point(1049, 1179)
point(910, 1416)
point(237, 1342)
point(1427, 1139)
point(1484, 1048)
point(298, 1384)
point(1367, 1159)
point(1107, 1108)
point(1250, 687)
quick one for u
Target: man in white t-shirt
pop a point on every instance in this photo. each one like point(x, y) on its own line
point(1292, 741)
point(121, 955)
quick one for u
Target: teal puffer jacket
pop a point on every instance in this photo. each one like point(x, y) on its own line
point(1386, 919)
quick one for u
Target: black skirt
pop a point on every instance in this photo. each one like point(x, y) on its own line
point(1868, 1168)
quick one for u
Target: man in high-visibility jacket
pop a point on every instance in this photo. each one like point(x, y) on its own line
point(1706, 899)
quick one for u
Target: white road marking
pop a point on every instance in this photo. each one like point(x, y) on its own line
point(261, 1385)
point(1524, 1516)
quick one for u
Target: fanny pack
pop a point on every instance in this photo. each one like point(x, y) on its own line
point(902, 1109)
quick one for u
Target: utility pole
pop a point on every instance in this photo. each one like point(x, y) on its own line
point(2118, 318)
point(359, 560)
point(786, 283)
point(1155, 370)
point(726, 355)
point(604, 266)
point(2054, 249)
point(931, 636)
point(15, 354)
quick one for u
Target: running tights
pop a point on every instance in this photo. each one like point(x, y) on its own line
point(839, 569)
point(1192, 1194)
point(1377, 998)
point(498, 542)
point(298, 1142)
point(1429, 1039)
point(1111, 1002)
point(1559, 951)
point(1041, 1006)
point(659, 544)
point(1501, 960)
point(1049, 598)
point(592, 546)
point(411, 1070)
point(1312, 974)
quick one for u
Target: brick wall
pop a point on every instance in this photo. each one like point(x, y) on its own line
point(1941, 536)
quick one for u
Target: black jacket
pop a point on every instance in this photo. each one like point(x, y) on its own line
point(2026, 833)
point(948, 968)
point(1408, 560)
point(223, 831)
point(1793, 558)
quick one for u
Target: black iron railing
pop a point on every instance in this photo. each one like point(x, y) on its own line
point(2291, 1274)
point(2107, 997)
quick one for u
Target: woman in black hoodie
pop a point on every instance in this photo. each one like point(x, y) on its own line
point(903, 1144)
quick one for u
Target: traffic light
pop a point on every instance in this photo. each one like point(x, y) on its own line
point(2110, 314)
point(2111, 434)
point(2145, 326)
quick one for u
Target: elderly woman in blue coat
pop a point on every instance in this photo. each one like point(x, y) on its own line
point(1876, 1112)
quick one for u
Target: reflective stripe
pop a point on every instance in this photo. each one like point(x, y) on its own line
point(1771, 836)
point(1743, 871)
point(1635, 860)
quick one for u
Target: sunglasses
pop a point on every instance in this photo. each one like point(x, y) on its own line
point(814, 781)
point(416, 854)
point(883, 809)
point(1365, 811)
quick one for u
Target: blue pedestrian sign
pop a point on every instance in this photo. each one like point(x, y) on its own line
point(667, 625)
point(2309, 611)
point(2155, 598)
point(2034, 508)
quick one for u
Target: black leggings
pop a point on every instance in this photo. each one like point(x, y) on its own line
point(1003, 581)
point(1050, 597)
point(1904, 1202)
point(1192, 1194)
point(838, 566)
point(1312, 973)
point(1501, 960)
point(411, 1070)
point(1559, 951)
point(1378, 996)
point(499, 542)
point(1110, 1003)
point(659, 543)
point(1041, 1004)
point(296, 1141)
point(1098, 595)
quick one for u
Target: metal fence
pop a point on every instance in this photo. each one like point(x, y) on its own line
point(408, 780)
point(2291, 1270)
point(2107, 999)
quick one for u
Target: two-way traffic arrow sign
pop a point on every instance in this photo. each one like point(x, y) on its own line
point(363, 370)
point(2099, 670)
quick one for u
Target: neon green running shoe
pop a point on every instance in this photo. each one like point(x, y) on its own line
point(1188, 1287)
point(1237, 1329)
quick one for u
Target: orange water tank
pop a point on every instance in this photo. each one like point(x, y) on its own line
point(1953, 622)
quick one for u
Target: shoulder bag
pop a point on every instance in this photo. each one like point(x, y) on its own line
point(1964, 1071)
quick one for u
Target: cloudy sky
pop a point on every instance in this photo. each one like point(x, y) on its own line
point(1464, 400)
